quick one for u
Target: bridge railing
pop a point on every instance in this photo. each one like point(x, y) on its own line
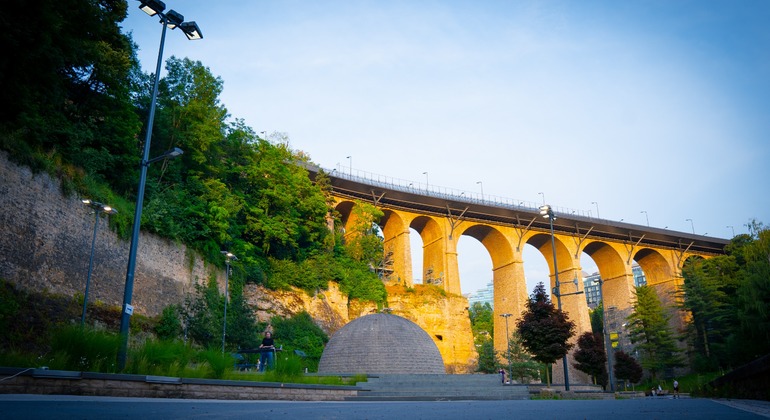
point(437, 191)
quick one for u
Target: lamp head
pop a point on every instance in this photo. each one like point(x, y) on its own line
point(191, 30)
point(546, 211)
point(173, 19)
point(152, 7)
point(174, 152)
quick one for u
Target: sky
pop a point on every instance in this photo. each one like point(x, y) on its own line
point(642, 111)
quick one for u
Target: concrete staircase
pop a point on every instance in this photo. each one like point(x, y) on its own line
point(437, 388)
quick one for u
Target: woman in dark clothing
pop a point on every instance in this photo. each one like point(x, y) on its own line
point(266, 351)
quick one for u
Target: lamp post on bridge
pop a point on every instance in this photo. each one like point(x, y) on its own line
point(170, 20)
point(692, 225)
point(481, 185)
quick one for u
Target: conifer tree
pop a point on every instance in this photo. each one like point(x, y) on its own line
point(650, 331)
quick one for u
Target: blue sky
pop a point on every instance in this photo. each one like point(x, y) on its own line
point(660, 107)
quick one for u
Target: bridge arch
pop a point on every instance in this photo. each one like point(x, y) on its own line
point(571, 288)
point(397, 260)
point(434, 264)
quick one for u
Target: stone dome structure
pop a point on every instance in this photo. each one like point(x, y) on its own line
point(381, 343)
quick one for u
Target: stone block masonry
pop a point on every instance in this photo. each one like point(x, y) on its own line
point(45, 243)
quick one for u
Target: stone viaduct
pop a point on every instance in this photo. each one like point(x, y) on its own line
point(503, 228)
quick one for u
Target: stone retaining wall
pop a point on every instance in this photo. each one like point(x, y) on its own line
point(52, 382)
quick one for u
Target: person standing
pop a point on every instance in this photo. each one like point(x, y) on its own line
point(266, 351)
point(676, 389)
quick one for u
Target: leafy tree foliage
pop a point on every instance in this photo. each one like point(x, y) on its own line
point(66, 72)
point(591, 358)
point(727, 298)
point(597, 319)
point(753, 297)
point(545, 330)
point(300, 333)
point(626, 368)
point(169, 326)
point(482, 327)
point(650, 331)
point(204, 318)
point(482, 322)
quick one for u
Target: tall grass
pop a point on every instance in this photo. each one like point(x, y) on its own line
point(161, 357)
point(85, 349)
point(217, 362)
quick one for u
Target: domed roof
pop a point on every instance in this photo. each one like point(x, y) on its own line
point(381, 343)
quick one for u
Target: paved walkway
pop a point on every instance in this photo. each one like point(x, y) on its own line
point(49, 407)
point(752, 406)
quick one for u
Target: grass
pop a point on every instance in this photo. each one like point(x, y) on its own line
point(693, 384)
point(87, 349)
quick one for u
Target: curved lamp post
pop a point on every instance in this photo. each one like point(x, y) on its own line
point(171, 20)
point(98, 208)
point(228, 257)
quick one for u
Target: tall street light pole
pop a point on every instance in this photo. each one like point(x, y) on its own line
point(171, 20)
point(508, 342)
point(692, 225)
point(607, 341)
point(597, 208)
point(547, 212)
point(646, 217)
point(481, 185)
point(228, 257)
point(98, 208)
point(426, 180)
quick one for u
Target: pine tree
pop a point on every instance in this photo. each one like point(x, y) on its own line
point(521, 363)
point(650, 331)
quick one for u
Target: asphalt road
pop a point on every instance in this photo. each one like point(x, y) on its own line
point(73, 407)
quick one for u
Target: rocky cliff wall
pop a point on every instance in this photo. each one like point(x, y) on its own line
point(45, 243)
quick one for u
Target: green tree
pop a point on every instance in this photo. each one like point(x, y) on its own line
point(708, 294)
point(753, 298)
point(169, 325)
point(65, 72)
point(482, 327)
point(488, 362)
point(204, 317)
point(591, 358)
point(301, 333)
point(650, 331)
point(521, 364)
point(481, 316)
point(626, 368)
point(597, 319)
point(544, 330)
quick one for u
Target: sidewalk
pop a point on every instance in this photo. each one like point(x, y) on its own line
point(761, 408)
